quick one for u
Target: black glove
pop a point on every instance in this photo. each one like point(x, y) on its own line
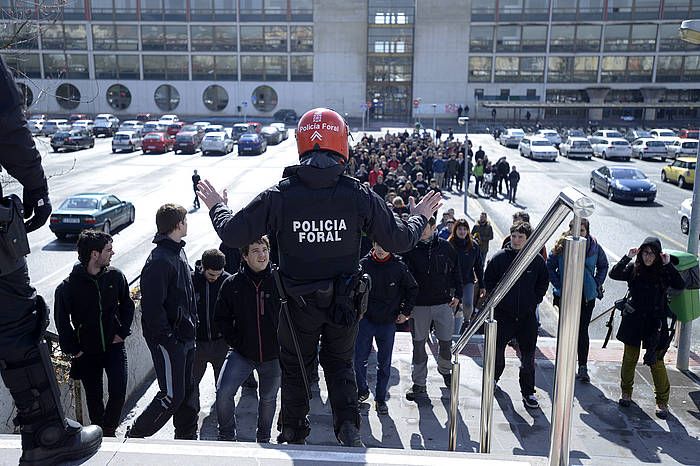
point(37, 208)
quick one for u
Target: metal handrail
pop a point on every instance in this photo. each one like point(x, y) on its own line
point(569, 200)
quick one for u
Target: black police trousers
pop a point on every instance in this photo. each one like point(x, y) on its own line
point(173, 362)
point(336, 357)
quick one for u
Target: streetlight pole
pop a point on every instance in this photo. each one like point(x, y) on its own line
point(465, 121)
point(690, 32)
point(434, 111)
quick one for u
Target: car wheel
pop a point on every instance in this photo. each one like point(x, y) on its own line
point(685, 225)
point(131, 148)
point(114, 151)
point(626, 159)
point(522, 154)
point(592, 185)
point(663, 176)
point(107, 227)
point(132, 215)
point(604, 155)
point(55, 149)
point(61, 236)
point(681, 182)
point(611, 195)
point(92, 144)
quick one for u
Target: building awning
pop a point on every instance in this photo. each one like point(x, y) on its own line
point(569, 105)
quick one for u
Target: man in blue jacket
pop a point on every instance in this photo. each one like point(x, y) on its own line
point(169, 319)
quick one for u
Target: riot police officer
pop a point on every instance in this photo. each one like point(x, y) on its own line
point(317, 216)
point(25, 363)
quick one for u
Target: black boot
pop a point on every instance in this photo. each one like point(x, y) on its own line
point(349, 435)
point(47, 436)
point(294, 433)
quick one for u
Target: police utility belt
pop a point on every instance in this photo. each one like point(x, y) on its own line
point(14, 244)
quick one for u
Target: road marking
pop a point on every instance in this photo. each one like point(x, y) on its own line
point(669, 239)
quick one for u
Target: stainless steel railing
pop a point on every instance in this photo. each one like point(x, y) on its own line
point(568, 200)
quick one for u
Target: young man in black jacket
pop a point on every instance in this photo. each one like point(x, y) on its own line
point(169, 319)
point(516, 313)
point(207, 278)
point(247, 312)
point(391, 301)
point(93, 311)
point(433, 263)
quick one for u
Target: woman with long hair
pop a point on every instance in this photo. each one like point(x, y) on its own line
point(644, 319)
point(594, 273)
point(471, 267)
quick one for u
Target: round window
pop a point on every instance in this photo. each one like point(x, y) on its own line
point(167, 97)
point(118, 97)
point(215, 98)
point(27, 94)
point(68, 96)
point(264, 98)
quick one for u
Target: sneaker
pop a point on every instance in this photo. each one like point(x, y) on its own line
point(382, 408)
point(349, 435)
point(661, 410)
point(531, 402)
point(625, 400)
point(582, 374)
point(417, 391)
point(362, 397)
point(447, 378)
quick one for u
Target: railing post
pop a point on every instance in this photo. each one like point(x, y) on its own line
point(454, 403)
point(567, 338)
point(487, 385)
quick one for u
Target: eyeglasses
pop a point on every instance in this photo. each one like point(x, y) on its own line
point(648, 253)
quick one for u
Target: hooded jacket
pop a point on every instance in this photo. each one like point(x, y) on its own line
point(90, 310)
point(247, 312)
point(594, 272)
point(434, 265)
point(393, 291)
point(471, 262)
point(205, 294)
point(168, 306)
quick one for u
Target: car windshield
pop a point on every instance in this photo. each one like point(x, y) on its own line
point(613, 134)
point(153, 136)
point(577, 133)
point(121, 137)
point(517, 132)
point(248, 137)
point(666, 134)
point(541, 143)
point(150, 127)
point(655, 144)
point(643, 134)
point(79, 203)
point(189, 128)
point(581, 144)
point(620, 143)
point(240, 130)
point(62, 134)
point(183, 138)
point(214, 137)
point(628, 174)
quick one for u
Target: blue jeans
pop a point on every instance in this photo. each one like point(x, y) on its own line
point(384, 336)
point(236, 369)
point(467, 307)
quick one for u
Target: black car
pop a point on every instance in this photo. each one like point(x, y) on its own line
point(187, 142)
point(101, 211)
point(272, 135)
point(633, 134)
point(623, 184)
point(74, 139)
point(286, 115)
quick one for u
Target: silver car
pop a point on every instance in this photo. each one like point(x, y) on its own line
point(576, 147)
point(126, 140)
point(682, 147)
point(217, 143)
point(648, 148)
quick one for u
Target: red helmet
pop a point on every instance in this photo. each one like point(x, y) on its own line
point(322, 129)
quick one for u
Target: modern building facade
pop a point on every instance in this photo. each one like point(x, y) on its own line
point(396, 58)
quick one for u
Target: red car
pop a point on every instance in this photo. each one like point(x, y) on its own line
point(157, 142)
point(174, 128)
point(689, 133)
point(256, 126)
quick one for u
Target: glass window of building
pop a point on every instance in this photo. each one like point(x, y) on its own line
point(264, 98)
point(617, 37)
point(226, 67)
point(302, 38)
point(507, 69)
point(588, 38)
point(626, 69)
point(175, 10)
point(52, 37)
point(639, 69)
point(510, 9)
point(252, 39)
point(564, 10)
point(102, 9)
point(536, 9)
point(67, 96)
point(20, 36)
point(177, 67)
point(534, 38)
point(385, 69)
point(481, 39)
point(115, 37)
point(691, 68)
point(561, 38)
point(275, 38)
point(23, 65)
point(480, 69)
point(559, 69)
point(167, 98)
point(151, 10)
point(129, 66)
point(153, 37)
point(585, 69)
point(75, 37)
point(484, 10)
point(175, 37)
point(225, 38)
point(276, 68)
point(118, 97)
point(215, 98)
point(390, 40)
point(613, 69)
point(508, 38)
point(643, 38)
point(106, 67)
point(63, 66)
point(669, 69)
point(670, 40)
point(225, 10)
point(202, 37)
point(214, 67)
point(301, 10)
point(214, 38)
point(165, 67)
point(677, 9)
point(531, 69)
point(302, 67)
point(203, 67)
point(252, 68)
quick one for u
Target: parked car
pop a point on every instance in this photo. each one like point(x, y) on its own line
point(106, 124)
point(255, 126)
point(99, 211)
point(75, 139)
point(282, 128)
point(682, 147)
point(648, 148)
point(576, 147)
point(239, 129)
point(632, 134)
point(286, 115)
point(689, 133)
point(201, 124)
point(665, 135)
point(169, 119)
point(126, 140)
point(85, 124)
point(680, 171)
point(214, 129)
point(154, 127)
point(251, 143)
point(537, 148)
point(192, 128)
point(77, 116)
point(187, 142)
point(174, 128)
point(157, 142)
point(35, 126)
point(38, 116)
point(623, 184)
point(53, 126)
point(131, 125)
point(511, 137)
point(217, 143)
point(609, 148)
point(606, 133)
point(551, 135)
point(684, 214)
point(143, 117)
point(272, 135)
point(571, 133)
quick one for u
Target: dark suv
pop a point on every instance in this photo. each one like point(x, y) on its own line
point(187, 142)
point(286, 115)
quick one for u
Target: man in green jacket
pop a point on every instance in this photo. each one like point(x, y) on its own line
point(483, 231)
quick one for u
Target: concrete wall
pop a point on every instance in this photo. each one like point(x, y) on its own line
point(140, 372)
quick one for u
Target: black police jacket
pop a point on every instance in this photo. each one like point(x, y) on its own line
point(168, 306)
point(527, 292)
point(394, 289)
point(435, 267)
point(89, 310)
point(318, 216)
point(205, 295)
point(247, 312)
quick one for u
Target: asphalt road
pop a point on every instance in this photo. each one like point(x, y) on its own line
point(617, 226)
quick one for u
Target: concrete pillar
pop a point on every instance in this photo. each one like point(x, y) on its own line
point(596, 95)
point(652, 95)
